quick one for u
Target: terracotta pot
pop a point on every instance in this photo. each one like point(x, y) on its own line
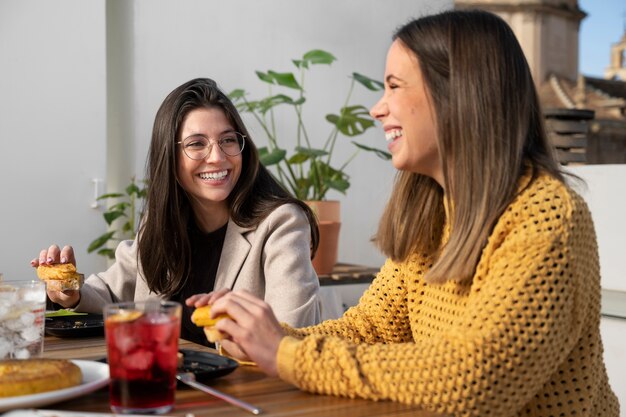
point(328, 216)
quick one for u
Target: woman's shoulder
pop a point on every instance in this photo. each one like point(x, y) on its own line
point(287, 209)
point(285, 214)
point(545, 197)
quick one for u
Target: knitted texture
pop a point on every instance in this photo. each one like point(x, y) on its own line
point(521, 339)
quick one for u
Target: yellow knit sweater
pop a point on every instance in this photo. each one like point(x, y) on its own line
point(522, 339)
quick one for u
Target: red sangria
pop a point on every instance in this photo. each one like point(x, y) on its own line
point(142, 345)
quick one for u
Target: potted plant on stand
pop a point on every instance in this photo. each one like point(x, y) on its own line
point(308, 171)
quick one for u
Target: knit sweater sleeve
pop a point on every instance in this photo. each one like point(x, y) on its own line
point(365, 323)
point(514, 324)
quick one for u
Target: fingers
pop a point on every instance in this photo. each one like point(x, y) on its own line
point(199, 300)
point(253, 328)
point(241, 304)
point(191, 301)
point(54, 255)
point(67, 299)
point(67, 255)
point(234, 350)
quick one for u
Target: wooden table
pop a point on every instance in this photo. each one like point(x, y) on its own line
point(274, 396)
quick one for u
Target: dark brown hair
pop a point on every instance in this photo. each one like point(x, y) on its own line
point(490, 131)
point(164, 249)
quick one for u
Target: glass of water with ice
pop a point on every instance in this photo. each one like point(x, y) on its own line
point(22, 311)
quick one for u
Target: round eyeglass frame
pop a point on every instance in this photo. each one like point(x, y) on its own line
point(209, 147)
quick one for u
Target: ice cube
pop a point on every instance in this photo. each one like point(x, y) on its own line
point(126, 339)
point(31, 333)
point(6, 347)
point(27, 318)
point(4, 309)
point(22, 354)
point(34, 295)
point(140, 360)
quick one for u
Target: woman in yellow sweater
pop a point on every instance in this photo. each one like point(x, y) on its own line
point(489, 303)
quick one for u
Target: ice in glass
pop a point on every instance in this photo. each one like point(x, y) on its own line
point(22, 311)
point(142, 346)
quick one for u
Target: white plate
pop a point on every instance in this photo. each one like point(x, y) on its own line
point(95, 376)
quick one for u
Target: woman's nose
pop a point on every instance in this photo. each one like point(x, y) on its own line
point(379, 110)
point(215, 153)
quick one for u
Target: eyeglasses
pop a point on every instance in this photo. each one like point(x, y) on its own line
point(198, 147)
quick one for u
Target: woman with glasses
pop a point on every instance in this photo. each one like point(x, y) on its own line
point(489, 303)
point(213, 218)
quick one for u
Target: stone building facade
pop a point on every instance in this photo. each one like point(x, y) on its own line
point(548, 31)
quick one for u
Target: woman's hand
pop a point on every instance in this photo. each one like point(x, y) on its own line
point(54, 255)
point(254, 328)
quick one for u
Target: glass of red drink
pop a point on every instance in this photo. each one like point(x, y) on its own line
point(142, 347)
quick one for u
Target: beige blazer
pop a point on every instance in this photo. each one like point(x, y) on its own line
point(271, 261)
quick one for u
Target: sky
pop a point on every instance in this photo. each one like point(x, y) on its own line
point(603, 26)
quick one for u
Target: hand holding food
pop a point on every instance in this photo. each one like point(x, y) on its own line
point(60, 277)
point(253, 327)
point(201, 317)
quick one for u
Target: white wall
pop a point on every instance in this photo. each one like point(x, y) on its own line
point(605, 193)
point(80, 82)
point(52, 128)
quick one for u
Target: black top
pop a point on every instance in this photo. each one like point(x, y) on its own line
point(206, 249)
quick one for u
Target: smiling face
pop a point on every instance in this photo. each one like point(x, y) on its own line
point(407, 115)
point(208, 181)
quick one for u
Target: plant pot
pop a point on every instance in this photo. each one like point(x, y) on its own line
point(328, 217)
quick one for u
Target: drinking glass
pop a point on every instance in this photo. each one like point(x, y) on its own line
point(142, 347)
point(22, 311)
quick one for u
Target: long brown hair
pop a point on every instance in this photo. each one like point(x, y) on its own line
point(490, 130)
point(164, 246)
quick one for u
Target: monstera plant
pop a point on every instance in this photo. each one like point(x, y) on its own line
point(308, 169)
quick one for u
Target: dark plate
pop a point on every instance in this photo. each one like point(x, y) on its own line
point(205, 365)
point(75, 326)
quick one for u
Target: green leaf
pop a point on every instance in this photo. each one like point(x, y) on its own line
point(311, 152)
point(247, 106)
point(111, 195)
point(286, 79)
point(99, 241)
point(339, 184)
point(237, 94)
point(317, 56)
point(379, 152)
point(300, 64)
point(268, 103)
point(121, 206)
point(303, 185)
point(368, 82)
point(111, 216)
point(271, 158)
point(127, 227)
point(265, 77)
point(353, 121)
point(132, 189)
point(298, 158)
